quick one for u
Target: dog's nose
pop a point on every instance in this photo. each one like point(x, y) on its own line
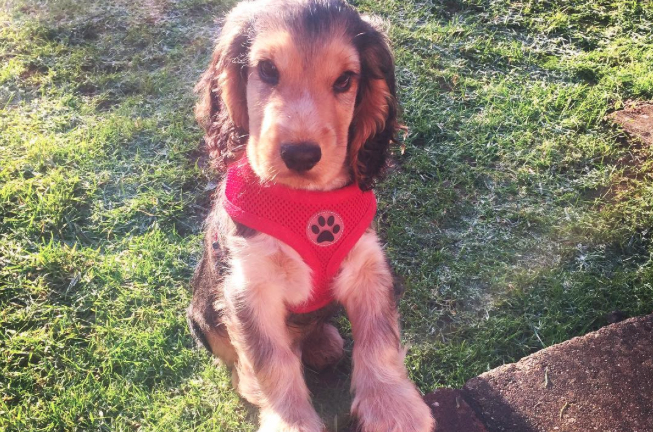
point(301, 156)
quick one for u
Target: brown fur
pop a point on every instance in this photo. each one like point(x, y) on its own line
point(222, 109)
point(287, 72)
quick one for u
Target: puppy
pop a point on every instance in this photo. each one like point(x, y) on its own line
point(299, 109)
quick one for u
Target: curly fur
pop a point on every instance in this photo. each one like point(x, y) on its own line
point(246, 280)
point(375, 124)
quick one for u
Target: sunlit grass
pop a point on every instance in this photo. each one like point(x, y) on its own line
point(517, 216)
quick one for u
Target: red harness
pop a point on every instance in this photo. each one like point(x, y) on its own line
point(321, 226)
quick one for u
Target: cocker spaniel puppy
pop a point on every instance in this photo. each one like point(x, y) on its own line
point(299, 109)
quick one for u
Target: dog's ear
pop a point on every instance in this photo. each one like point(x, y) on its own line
point(375, 125)
point(222, 106)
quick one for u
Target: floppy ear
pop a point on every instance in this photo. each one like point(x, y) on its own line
point(375, 125)
point(222, 106)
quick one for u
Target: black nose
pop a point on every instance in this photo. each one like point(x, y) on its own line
point(301, 156)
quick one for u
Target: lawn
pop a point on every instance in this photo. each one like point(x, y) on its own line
point(516, 214)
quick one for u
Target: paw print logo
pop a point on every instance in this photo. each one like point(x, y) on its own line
point(325, 228)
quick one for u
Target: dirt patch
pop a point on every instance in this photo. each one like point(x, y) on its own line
point(633, 163)
point(637, 120)
point(452, 413)
point(331, 397)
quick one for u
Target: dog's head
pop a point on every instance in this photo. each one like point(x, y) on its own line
point(306, 88)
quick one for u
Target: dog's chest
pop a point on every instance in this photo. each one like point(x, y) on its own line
point(314, 231)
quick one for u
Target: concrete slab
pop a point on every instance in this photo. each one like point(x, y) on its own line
point(599, 382)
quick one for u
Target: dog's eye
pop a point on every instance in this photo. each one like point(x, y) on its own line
point(343, 83)
point(268, 72)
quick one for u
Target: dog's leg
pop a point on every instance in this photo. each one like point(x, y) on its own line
point(385, 400)
point(269, 370)
point(205, 312)
point(269, 366)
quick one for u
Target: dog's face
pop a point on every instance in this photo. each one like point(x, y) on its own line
point(300, 103)
point(306, 88)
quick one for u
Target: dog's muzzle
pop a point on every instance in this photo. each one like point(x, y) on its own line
point(301, 156)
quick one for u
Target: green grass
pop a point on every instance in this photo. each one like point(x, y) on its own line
point(517, 216)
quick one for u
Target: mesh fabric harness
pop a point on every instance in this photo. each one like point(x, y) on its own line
point(321, 226)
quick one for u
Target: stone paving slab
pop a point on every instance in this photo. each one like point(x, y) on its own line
point(602, 381)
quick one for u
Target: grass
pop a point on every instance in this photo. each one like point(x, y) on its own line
point(517, 216)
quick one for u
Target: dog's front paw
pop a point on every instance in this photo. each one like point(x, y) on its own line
point(273, 422)
point(392, 408)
